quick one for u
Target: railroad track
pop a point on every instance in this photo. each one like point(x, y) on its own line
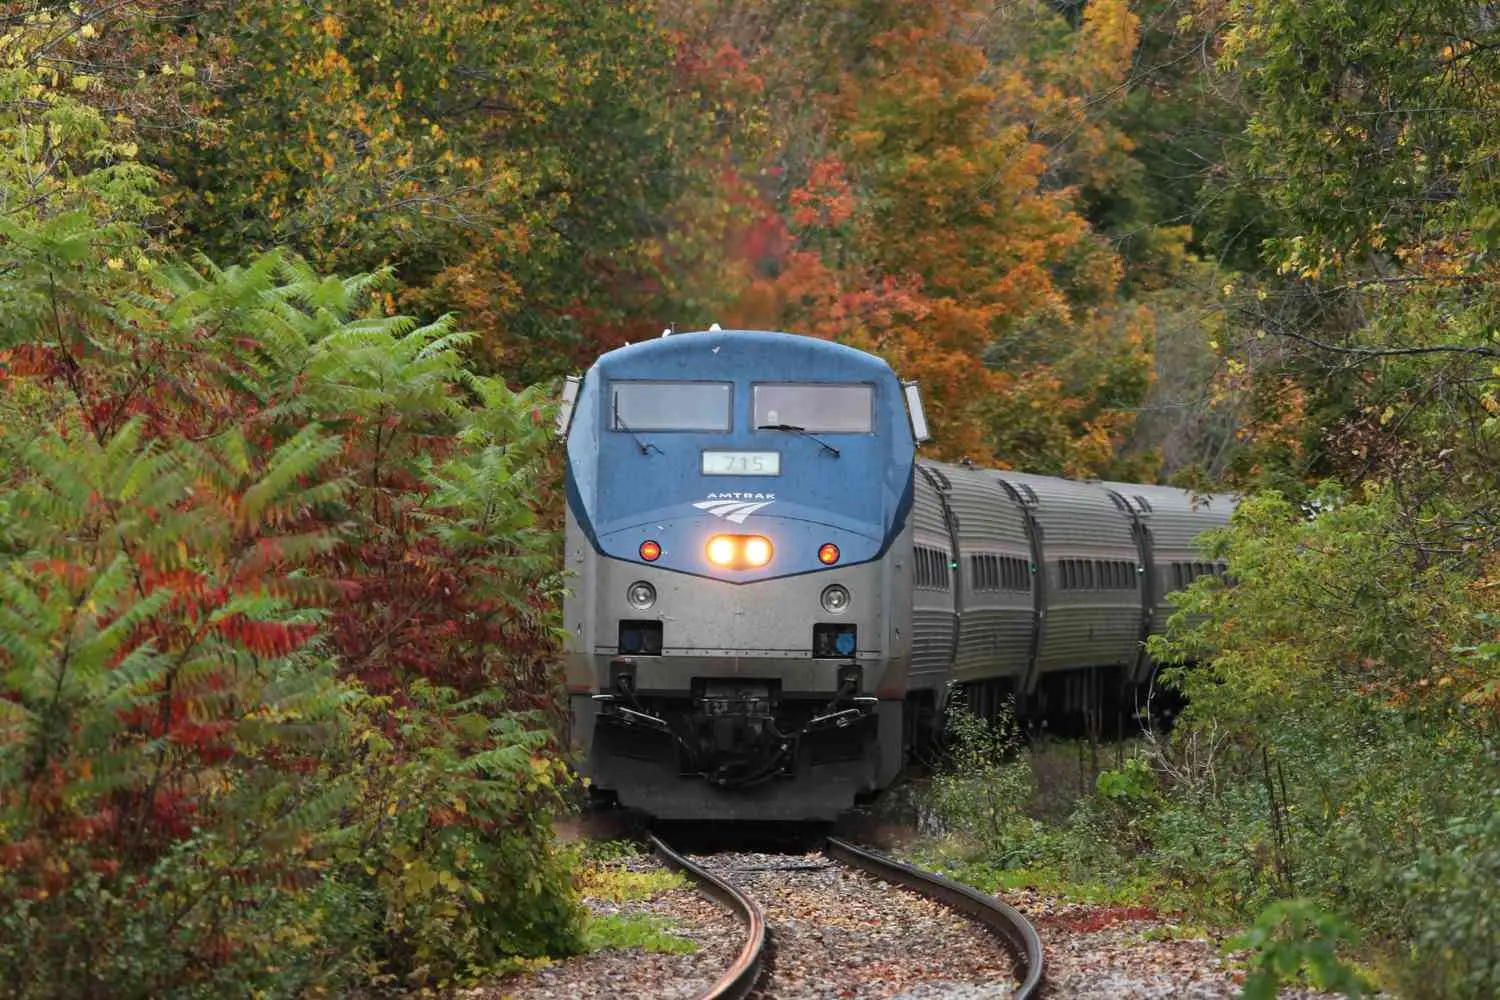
point(749, 967)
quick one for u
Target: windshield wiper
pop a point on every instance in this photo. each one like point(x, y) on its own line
point(794, 429)
point(645, 446)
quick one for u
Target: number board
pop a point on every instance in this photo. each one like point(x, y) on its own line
point(742, 463)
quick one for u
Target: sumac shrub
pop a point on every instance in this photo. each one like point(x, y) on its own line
point(275, 615)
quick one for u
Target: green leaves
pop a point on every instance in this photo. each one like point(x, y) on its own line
point(1293, 936)
point(1371, 116)
point(232, 500)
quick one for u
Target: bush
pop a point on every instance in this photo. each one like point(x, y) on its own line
point(982, 789)
point(1346, 666)
point(1338, 764)
point(275, 711)
point(1292, 937)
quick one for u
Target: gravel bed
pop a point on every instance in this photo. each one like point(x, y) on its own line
point(1128, 953)
point(839, 933)
point(634, 972)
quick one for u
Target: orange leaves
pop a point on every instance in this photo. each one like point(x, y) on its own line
point(31, 361)
point(923, 218)
point(825, 201)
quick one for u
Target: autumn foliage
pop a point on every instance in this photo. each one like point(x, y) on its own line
point(277, 568)
point(275, 615)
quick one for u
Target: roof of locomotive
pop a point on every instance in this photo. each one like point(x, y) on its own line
point(779, 352)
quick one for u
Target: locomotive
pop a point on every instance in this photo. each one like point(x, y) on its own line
point(773, 598)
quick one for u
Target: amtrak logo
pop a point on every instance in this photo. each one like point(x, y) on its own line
point(735, 507)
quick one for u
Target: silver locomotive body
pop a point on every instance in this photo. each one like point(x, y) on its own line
point(711, 703)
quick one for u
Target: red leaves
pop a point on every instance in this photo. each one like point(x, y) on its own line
point(32, 361)
point(266, 639)
point(1088, 919)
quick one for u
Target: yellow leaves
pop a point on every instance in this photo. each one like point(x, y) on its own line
point(1110, 31)
point(332, 63)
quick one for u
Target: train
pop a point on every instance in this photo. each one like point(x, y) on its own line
point(773, 598)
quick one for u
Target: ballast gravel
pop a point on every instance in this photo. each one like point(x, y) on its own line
point(834, 933)
point(839, 933)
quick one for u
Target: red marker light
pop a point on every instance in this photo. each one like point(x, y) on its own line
point(650, 551)
point(828, 554)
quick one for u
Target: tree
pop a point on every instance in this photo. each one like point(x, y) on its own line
point(906, 206)
point(511, 161)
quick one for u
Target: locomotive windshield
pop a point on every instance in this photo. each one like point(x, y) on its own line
point(670, 406)
point(828, 409)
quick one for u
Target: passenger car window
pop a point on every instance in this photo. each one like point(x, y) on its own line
point(829, 409)
point(670, 406)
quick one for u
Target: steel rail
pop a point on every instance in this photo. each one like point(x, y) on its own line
point(1002, 918)
point(740, 978)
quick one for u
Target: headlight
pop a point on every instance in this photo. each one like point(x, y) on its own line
point(721, 550)
point(835, 599)
point(641, 595)
point(739, 551)
point(757, 551)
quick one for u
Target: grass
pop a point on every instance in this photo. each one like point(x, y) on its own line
point(966, 863)
point(601, 876)
point(635, 930)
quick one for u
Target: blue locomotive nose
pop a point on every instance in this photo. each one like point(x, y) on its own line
point(740, 456)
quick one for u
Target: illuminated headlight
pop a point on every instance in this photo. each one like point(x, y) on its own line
point(835, 599)
point(757, 551)
point(739, 551)
point(721, 550)
point(641, 595)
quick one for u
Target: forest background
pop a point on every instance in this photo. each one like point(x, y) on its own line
point(283, 288)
